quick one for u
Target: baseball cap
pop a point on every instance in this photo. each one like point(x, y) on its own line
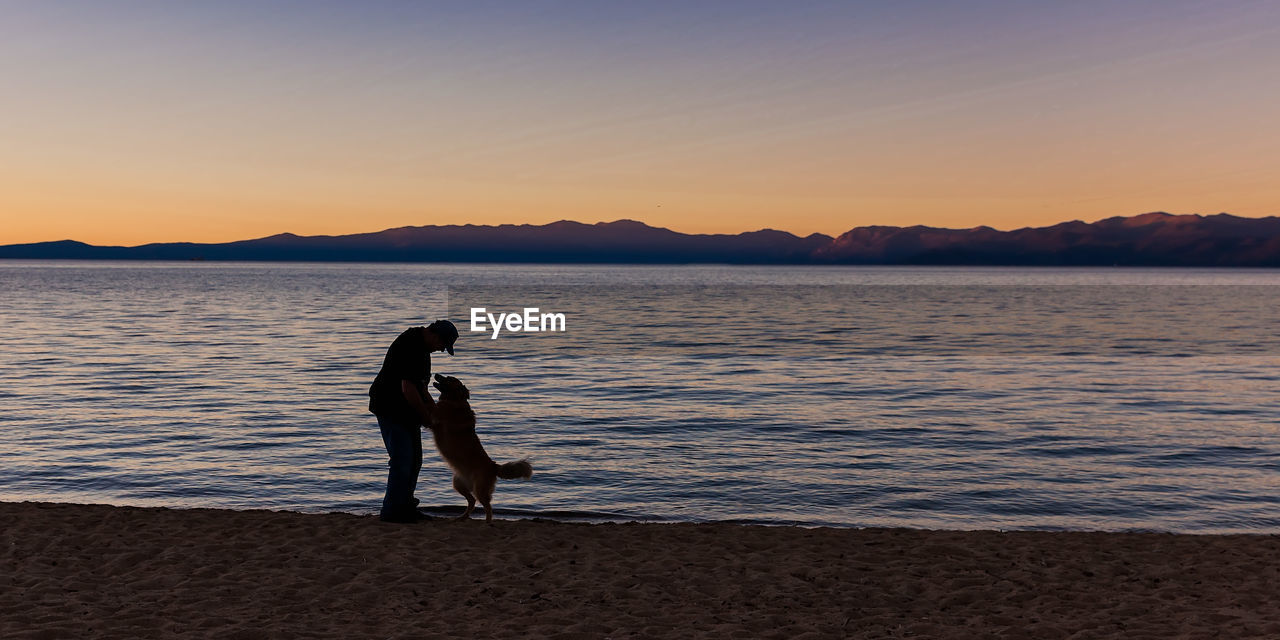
point(446, 331)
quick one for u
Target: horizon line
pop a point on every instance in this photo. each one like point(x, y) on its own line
point(619, 220)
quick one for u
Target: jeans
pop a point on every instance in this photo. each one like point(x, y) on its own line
point(404, 445)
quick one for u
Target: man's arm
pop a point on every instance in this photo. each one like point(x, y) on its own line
point(421, 402)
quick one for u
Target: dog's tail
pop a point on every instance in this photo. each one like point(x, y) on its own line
point(518, 469)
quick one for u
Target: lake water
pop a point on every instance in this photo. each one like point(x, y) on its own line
point(956, 398)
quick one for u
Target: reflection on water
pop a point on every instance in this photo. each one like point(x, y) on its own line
point(972, 398)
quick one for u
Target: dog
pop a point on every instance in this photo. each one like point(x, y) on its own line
point(453, 427)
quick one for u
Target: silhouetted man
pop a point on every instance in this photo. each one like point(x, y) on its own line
point(399, 398)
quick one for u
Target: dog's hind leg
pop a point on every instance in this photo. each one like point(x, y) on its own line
point(484, 493)
point(462, 487)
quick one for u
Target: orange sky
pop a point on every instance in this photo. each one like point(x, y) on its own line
point(216, 124)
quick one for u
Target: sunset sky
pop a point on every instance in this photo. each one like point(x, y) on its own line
point(133, 122)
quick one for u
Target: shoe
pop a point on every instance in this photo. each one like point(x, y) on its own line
point(407, 517)
point(399, 519)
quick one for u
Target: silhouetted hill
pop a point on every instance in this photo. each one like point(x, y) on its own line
point(1150, 239)
point(564, 241)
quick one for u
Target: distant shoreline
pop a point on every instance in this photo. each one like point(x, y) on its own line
point(162, 261)
point(1148, 240)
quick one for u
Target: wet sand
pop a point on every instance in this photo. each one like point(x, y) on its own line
point(95, 571)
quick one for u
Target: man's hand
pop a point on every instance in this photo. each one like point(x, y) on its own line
point(421, 402)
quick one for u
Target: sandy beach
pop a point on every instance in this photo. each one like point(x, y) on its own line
point(94, 571)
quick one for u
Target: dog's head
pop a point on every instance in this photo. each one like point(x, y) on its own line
point(451, 386)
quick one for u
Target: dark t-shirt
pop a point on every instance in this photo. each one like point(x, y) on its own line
point(407, 359)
